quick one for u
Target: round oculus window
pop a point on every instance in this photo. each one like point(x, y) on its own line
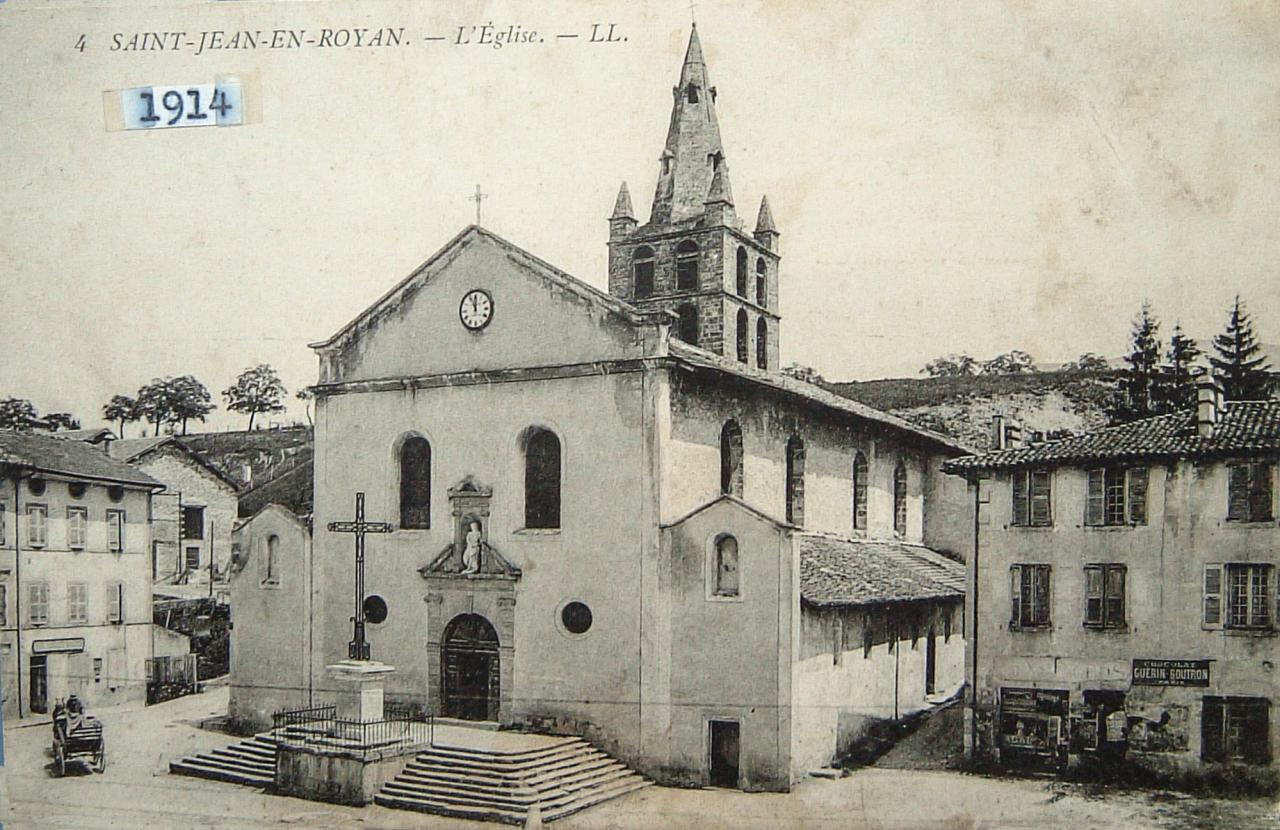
point(77, 489)
point(375, 609)
point(115, 492)
point(36, 486)
point(576, 617)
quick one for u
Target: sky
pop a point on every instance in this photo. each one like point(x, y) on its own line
point(947, 177)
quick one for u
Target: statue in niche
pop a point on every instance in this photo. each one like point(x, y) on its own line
point(471, 553)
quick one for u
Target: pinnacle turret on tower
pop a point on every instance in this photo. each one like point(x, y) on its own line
point(623, 219)
point(766, 232)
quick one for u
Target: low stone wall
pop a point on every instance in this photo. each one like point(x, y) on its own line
point(338, 776)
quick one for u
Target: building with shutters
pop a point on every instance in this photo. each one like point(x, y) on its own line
point(75, 574)
point(1124, 582)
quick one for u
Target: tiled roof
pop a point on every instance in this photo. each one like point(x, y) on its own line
point(72, 458)
point(700, 358)
point(1244, 427)
point(291, 489)
point(839, 571)
point(127, 449)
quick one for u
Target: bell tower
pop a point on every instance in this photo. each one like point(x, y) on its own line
point(694, 257)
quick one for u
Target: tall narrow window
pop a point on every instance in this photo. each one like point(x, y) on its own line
point(77, 527)
point(77, 603)
point(115, 531)
point(742, 272)
point(762, 283)
point(415, 483)
point(795, 481)
point(691, 93)
point(38, 603)
point(1104, 592)
point(1029, 589)
point(192, 522)
point(859, 491)
point(1116, 496)
point(541, 479)
point(688, 327)
point(726, 584)
point(900, 499)
point(642, 268)
point(731, 459)
point(115, 602)
point(687, 266)
point(273, 559)
point(762, 343)
point(742, 325)
point(1031, 504)
point(37, 525)
point(4, 605)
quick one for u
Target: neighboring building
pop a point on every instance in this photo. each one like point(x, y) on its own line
point(1126, 592)
point(288, 485)
point(271, 641)
point(194, 517)
point(624, 521)
point(251, 457)
point(75, 574)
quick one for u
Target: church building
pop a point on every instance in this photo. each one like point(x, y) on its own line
point(614, 517)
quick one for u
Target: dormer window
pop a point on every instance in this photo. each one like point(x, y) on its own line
point(666, 165)
point(714, 160)
point(691, 93)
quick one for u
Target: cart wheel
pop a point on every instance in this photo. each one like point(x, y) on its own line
point(100, 760)
point(59, 760)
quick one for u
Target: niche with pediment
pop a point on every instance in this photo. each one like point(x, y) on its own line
point(469, 554)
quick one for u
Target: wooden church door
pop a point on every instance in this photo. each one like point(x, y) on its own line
point(470, 669)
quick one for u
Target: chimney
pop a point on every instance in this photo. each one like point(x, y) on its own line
point(1013, 435)
point(998, 441)
point(1208, 404)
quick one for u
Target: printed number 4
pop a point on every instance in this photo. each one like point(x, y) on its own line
point(219, 103)
point(80, 43)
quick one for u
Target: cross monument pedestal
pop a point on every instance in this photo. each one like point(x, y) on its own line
point(363, 683)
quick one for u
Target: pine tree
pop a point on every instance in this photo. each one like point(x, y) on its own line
point(1239, 364)
point(1141, 379)
point(1177, 384)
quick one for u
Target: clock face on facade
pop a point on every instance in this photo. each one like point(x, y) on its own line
point(476, 309)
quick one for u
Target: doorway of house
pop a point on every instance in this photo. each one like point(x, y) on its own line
point(39, 684)
point(724, 754)
point(469, 659)
point(930, 664)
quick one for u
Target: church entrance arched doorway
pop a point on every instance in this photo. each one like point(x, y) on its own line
point(469, 657)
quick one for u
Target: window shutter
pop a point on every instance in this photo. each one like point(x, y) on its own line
point(1212, 596)
point(1138, 477)
point(1096, 500)
point(1260, 492)
point(1211, 728)
point(1015, 593)
point(1238, 493)
point(114, 609)
point(1114, 610)
point(1041, 514)
point(1093, 596)
point(1042, 589)
point(1020, 497)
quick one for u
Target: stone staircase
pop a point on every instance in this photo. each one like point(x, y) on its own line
point(251, 762)
point(561, 775)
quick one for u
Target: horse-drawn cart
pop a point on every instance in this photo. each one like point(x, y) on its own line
point(77, 737)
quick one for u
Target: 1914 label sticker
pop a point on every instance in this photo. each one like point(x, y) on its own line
point(218, 104)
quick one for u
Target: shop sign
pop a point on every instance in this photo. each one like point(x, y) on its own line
point(1170, 672)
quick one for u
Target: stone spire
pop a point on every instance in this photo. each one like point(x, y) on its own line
point(721, 192)
point(693, 149)
point(622, 208)
point(766, 232)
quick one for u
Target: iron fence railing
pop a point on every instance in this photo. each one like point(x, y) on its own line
point(402, 725)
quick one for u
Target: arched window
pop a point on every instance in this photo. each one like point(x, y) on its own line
point(687, 266)
point(731, 459)
point(795, 481)
point(762, 284)
point(742, 272)
point(762, 343)
point(541, 479)
point(726, 564)
point(273, 559)
point(688, 326)
point(643, 271)
point(859, 491)
point(415, 483)
point(743, 334)
point(900, 499)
